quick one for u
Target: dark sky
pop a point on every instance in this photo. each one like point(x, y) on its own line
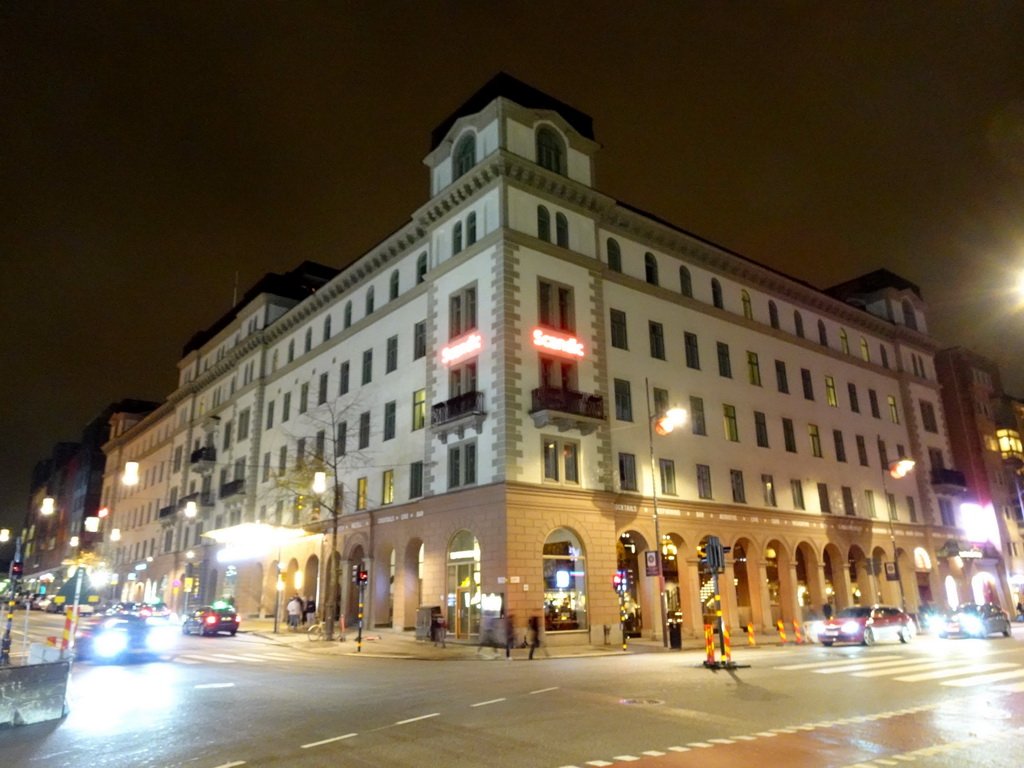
point(149, 152)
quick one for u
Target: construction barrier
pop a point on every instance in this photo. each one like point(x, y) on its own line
point(66, 637)
point(750, 634)
point(796, 632)
point(782, 632)
point(726, 645)
point(709, 643)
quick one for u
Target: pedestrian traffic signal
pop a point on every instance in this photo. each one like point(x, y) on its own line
point(362, 576)
point(17, 569)
point(620, 581)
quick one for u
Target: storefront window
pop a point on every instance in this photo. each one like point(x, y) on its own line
point(565, 582)
point(464, 585)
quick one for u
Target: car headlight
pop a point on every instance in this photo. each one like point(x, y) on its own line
point(109, 644)
point(850, 627)
point(160, 638)
point(970, 623)
point(935, 623)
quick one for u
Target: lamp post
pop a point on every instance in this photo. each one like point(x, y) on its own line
point(897, 469)
point(663, 424)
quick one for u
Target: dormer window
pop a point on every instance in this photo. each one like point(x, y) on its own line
point(909, 316)
point(550, 151)
point(464, 157)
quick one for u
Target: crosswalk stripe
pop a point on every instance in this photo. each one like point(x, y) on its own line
point(960, 671)
point(986, 679)
point(200, 659)
point(1010, 687)
point(914, 667)
point(812, 665)
point(870, 665)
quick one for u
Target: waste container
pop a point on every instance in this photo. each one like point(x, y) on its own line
point(675, 634)
point(426, 621)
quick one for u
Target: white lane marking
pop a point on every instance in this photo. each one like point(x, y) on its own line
point(598, 763)
point(1010, 687)
point(216, 685)
point(626, 758)
point(232, 765)
point(209, 658)
point(485, 703)
point(702, 744)
point(414, 719)
point(678, 749)
point(812, 665)
point(874, 665)
point(328, 741)
point(721, 741)
point(654, 753)
point(917, 667)
point(544, 690)
point(985, 679)
point(968, 670)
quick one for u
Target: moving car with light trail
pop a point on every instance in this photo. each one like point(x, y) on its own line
point(118, 638)
point(973, 620)
point(867, 625)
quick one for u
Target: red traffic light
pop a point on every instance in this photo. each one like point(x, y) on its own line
point(362, 577)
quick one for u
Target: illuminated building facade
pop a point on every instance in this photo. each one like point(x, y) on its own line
point(480, 389)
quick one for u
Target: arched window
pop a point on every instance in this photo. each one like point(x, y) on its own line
point(393, 286)
point(716, 293)
point(327, 328)
point(822, 334)
point(773, 314)
point(864, 351)
point(844, 341)
point(909, 316)
point(885, 356)
point(561, 230)
point(465, 156)
point(309, 339)
point(748, 307)
point(543, 223)
point(347, 318)
point(550, 151)
point(457, 238)
point(650, 268)
point(685, 282)
point(614, 255)
point(421, 268)
point(463, 582)
point(471, 228)
point(291, 350)
point(565, 582)
point(369, 300)
point(798, 323)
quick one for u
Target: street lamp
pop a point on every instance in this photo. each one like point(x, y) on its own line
point(47, 508)
point(663, 425)
point(897, 470)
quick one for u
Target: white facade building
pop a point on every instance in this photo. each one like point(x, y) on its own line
point(478, 386)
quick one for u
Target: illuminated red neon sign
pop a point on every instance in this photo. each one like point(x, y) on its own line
point(463, 348)
point(556, 342)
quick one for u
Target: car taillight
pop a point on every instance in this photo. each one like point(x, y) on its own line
point(238, 619)
point(211, 619)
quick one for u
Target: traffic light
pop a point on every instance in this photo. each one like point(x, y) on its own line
point(362, 576)
point(17, 569)
point(620, 581)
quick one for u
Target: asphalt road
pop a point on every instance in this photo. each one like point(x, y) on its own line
point(220, 702)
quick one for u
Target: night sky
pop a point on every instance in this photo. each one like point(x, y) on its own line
point(151, 152)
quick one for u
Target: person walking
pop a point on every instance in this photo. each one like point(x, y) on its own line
point(294, 608)
point(310, 611)
point(533, 633)
point(510, 636)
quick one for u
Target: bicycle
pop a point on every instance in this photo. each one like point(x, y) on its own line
point(316, 631)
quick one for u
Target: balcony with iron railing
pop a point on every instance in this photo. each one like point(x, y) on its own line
point(948, 482)
point(233, 488)
point(567, 409)
point(456, 414)
point(203, 459)
point(201, 498)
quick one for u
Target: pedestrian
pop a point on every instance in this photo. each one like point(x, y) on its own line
point(294, 608)
point(826, 611)
point(310, 611)
point(1020, 610)
point(533, 632)
point(510, 636)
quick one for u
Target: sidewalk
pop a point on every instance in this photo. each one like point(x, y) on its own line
point(396, 644)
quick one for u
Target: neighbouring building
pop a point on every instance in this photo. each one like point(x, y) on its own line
point(480, 390)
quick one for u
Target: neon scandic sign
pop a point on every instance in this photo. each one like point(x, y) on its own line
point(470, 345)
point(553, 342)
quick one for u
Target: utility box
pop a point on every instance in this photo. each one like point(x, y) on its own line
point(426, 616)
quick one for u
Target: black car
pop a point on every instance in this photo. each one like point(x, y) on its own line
point(973, 620)
point(116, 638)
point(211, 619)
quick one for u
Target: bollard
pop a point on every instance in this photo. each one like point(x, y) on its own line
point(750, 634)
point(726, 645)
point(709, 643)
point(782, 632)
point(796, 632)
point(66, 637)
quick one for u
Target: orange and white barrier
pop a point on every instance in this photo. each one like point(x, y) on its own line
point(782, 631)
point(750, 634)
point(796, 632)
point(709, 643)
point(726, 645)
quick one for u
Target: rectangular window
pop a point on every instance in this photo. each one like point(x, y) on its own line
point(419, 340)
point(797, 488)
point(812, 433)
point(869, 504)
point(461, 312)
point(854, 402)
point(620, 338)
point(387, 487)
point(340, 447)
point(176, 467)
point(739, 494)
point(343, 379)
point(364, 430)
point(282, 460)
point(788, 435)
point(697, 415)
point(227, 437)
point(623, 401)
point(389, 420)
point(873, 402)
point(667, 470)
point(890, 502)
point(415, 479)
point(321, 397)
point(266, 466)
point(469, 473)
point(912, 509)
point(732, 430)
point(391, 356)
point(894, 413)
point(243, 424)
point(848, 507)
point(419, 409)
point(692, 350)
point(753, 369)
point(361, 485)
point(657, 336)
point(660, 401)
point(724, 363)
point(555, 305)
point(823, 501)
point(830, 392)
point(704, 481)
point(367, 366)
point(761, 429)
point(300, 452)
point(561, 460)
point(946, 512)
point(781, 378)
point(927, 417)
point(883, 454)
point(805, 376)
point(627, 471)
point(837, 438)
point(768, 487)
point(286, 407)
point(321, 440)
point(304, 397)
point(862, 451)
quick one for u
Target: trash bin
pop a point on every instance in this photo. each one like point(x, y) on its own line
point(426, 618)
point(675, 634)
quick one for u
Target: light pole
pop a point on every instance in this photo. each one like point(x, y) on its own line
point(897, 469)
point(663, 424)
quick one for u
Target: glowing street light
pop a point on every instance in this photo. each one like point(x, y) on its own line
point(191, 509)
point(319, 482)
point(131, 473)
point(5, 535)
point(47, 508)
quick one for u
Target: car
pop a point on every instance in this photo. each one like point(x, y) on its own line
point(211, 619)
point(41, 603)
point(123, 608)
point(973, 620)
point(120, 637)
point(154, 609)
point(867, 625)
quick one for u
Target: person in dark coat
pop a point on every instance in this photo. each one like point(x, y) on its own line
point(533, 632)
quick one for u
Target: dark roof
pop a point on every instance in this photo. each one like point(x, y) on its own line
point(522, 94)
point(872, 282)
point(301, 282)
